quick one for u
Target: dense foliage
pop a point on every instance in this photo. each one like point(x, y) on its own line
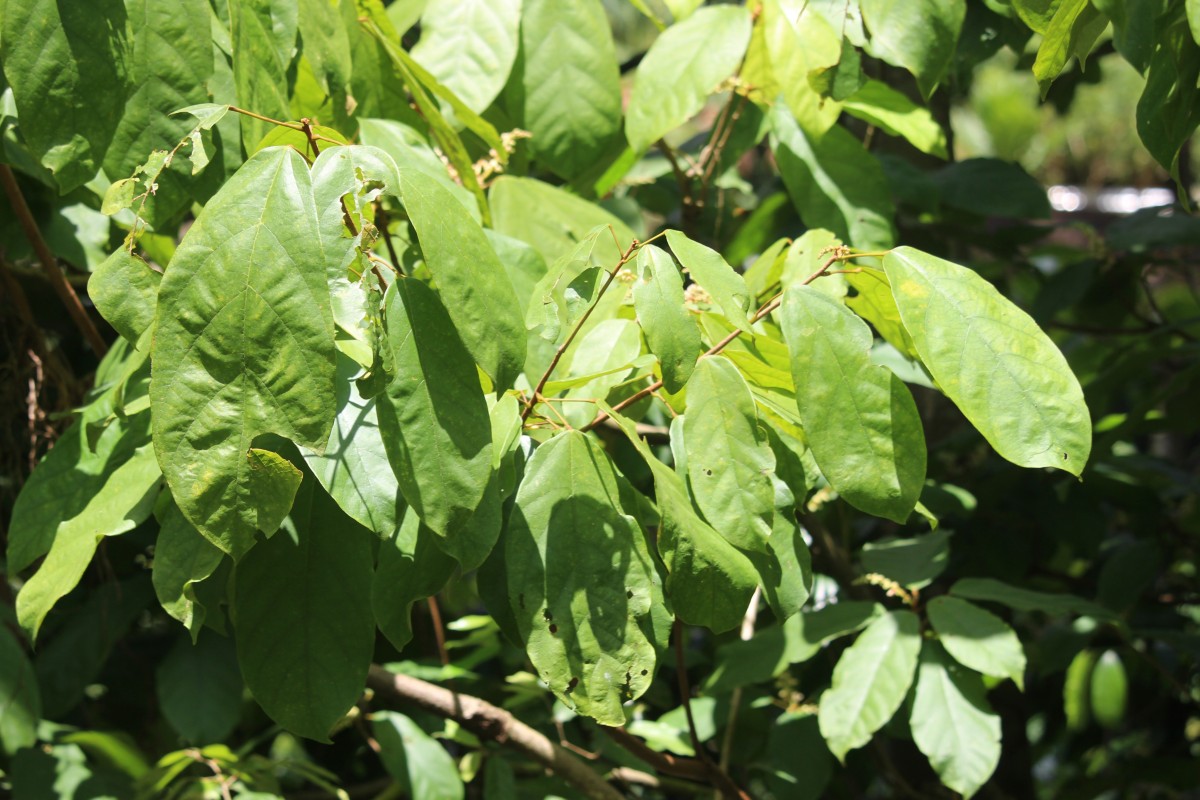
point(650, 370)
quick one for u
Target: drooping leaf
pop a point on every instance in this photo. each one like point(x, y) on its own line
point(952, 723)
point(263, 37)
point(199, 688)
point(709, 581)
point(20, 700)
point(243, 344)
point(182, 558)
point(834, 182)
point(911, 562)
point(859, 419)
point(1071, 32)
point(433, 416)
point(978, 639)
point(670, 330)
point(474, 286)
point(302, 616)
point(993, 361)
point(65, 68)
point(124, 500)
point(1168, 111)
point(785, 574)
point(683, 67)
point(1021, 599)
point(730, 463)
point(568, 94)
point(801, 46)
point(411, 567)
point(870, 681)
point(874, 303)
point(715, 276)
point(919, 35)
point(124, 290)
point(892, 112)
point(414, 758)
point(1012, 192)
point(354, 468)
point(580, 579)
point(470, 46)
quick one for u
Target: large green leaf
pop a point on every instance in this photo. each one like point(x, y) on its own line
point(709, 581)
point(411, 567)
point(199, 688)
point(302, 616)
point(65, 66)
point(952, 723)
point(470, 46)
point(892, 112)
point(1071, 32)
point(671, 333)
point(552, 220)
point(262, 52)
point(354, 468)
point(568, 93)
point(919, 35)
point(580, 579)
point(124, 500)
point(870, 681)
point(243, 343)
point(1169, 109)
point(874, 303)
point(993, 361)
point(729, 464)
point(411, 151)
point(415, 759)
point(911, 562)
point(801, 45)
point(433, 417)
point(182, 558)
point(978, 639)
point(859, 419)
point(834, 182)
point(683, 67)
point(1021, 599)
point(715, 276)
point(124, 290)
point(472, 282)
point(20, 701)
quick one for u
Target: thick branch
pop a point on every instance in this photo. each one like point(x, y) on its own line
point(490, 722)
point(49, 263)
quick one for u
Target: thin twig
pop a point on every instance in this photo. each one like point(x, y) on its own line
point(735, 698)
point(439, 632)
point(490, 722)
point(49, 263)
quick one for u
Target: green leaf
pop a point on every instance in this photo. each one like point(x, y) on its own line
point(411, 568)
point(1169, 108)
point(715, 276)
point(919, 35)
point(354, 468)
point(415, 759)
point(243, 344)
point(65, 67)
point(1072, 31)
point(1012, 192)
point(568, 91)
point(199, 688)
point(124, 290)
point(709, 581)
point(20, 701)
point(552, 220)
point(892, 112)
point(785, 573)
point(302, 616)
point(952, 723)
point(273, 483)
point(470, 46)
point(262, 53)
point(802, 48)
point(1108, 690)
point(1015, 597)
point(433, 418)
point(182, 558)
point(1193, 17)
point(730, 463)
point(411, 151)
point(682, 68)
point(870, 681)
point(807, 633)
point(874, 303)
point(978, 639)
point(834, 182)
point(580, 579)
point(1077, 707)
point(911, 562)
point(122, 503)
point(859, 419)
point(993, 361)
point(671, 333)
point(472, 282)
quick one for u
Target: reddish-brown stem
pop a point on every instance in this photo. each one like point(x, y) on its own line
point(49, 263)
point(439, 631)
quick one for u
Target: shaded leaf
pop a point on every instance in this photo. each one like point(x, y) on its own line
point(671, 333)
point(182, 558)
point(199, 688)
point(552, 220)
point(978, 639)
point(911, 562)
point(415, 759)
point(919, 35)
point(20, 700)
point(411, 568)
point(892, 112)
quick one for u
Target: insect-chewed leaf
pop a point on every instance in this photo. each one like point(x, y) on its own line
point(243, 343)
point(860, 420)
point(993, 361)
point(580, 579)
